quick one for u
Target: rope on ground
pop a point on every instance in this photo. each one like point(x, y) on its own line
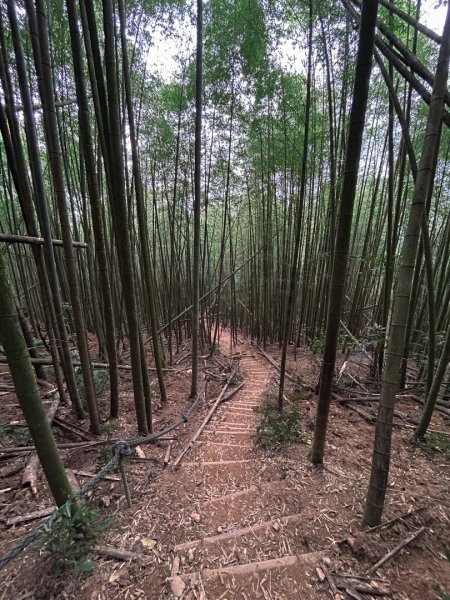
point(122, 449)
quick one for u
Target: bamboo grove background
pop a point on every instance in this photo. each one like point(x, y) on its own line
point(99, 148)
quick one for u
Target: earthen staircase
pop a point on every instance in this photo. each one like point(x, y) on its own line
point(248, 547)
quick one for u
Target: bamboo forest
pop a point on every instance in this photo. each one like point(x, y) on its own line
point(224, 299)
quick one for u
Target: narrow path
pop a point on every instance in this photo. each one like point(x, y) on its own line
point(248, 547)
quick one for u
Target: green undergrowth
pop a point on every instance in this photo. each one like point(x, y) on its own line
point(435, 443)
point(275, 428)
point(441, 594)
point(11, 430)
point(70, 542)
point(237, 378)
point(100, 379)
point(105, 452)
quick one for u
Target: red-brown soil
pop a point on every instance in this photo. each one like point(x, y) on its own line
point(233, 522)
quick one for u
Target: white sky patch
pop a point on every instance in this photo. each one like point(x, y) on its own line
point(168, 50)
point(433, 15)
point(290, 57)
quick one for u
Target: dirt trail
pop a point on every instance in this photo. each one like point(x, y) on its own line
point(248, 547)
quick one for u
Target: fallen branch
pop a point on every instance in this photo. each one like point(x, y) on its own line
point(205, 422)
point(363, 590)
point(353, 593)
point(233, 392)
point(438, 406)
point(396, 550)
point(30, 474)
point(394, 520)
point(206, 294)
point(252, 568)
point(167, 455)
point(32, 516)
point(362, 413)
point(90, 475)
point(118, 553)
point(292, 378)
point(329, 578)
point(76, 363)
point(66, 446)
point(274, 364)
point(74, 429)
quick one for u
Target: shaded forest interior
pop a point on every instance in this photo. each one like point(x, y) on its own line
point(224, 264)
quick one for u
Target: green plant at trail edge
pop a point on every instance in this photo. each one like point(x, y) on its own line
point(71, 540)
point(274, 428)
point(237, 378)
point(441, 593)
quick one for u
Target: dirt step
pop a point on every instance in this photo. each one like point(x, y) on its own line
point(235, 426)
point(276, 528)
point(210, 442)
point(239, 413)
point(286, 577)
point(217, 463)
point(219, 452)
point(226, 473)
point(229, 438)
point(231, 432)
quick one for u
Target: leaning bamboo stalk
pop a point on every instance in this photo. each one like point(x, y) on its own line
point(204, 423)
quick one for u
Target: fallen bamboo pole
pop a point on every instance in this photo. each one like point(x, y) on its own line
point(35, 241)
point(68, 445)
point(395, 551)
point(291, 378)
point(204, 423)
point(76, 363)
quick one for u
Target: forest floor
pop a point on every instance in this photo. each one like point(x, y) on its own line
point(233, 521)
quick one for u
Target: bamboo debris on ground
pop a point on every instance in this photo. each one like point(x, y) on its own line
point(167, 456)
point(30, 474)
point(90, 475)
point(205, 422)
point(396, 550)
point(94, 365)
point(394, 520)
point(70, 445)
point(118, 553)
point(74, 429)
point(277, 367)
point(232, 392)
point(32, 516)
